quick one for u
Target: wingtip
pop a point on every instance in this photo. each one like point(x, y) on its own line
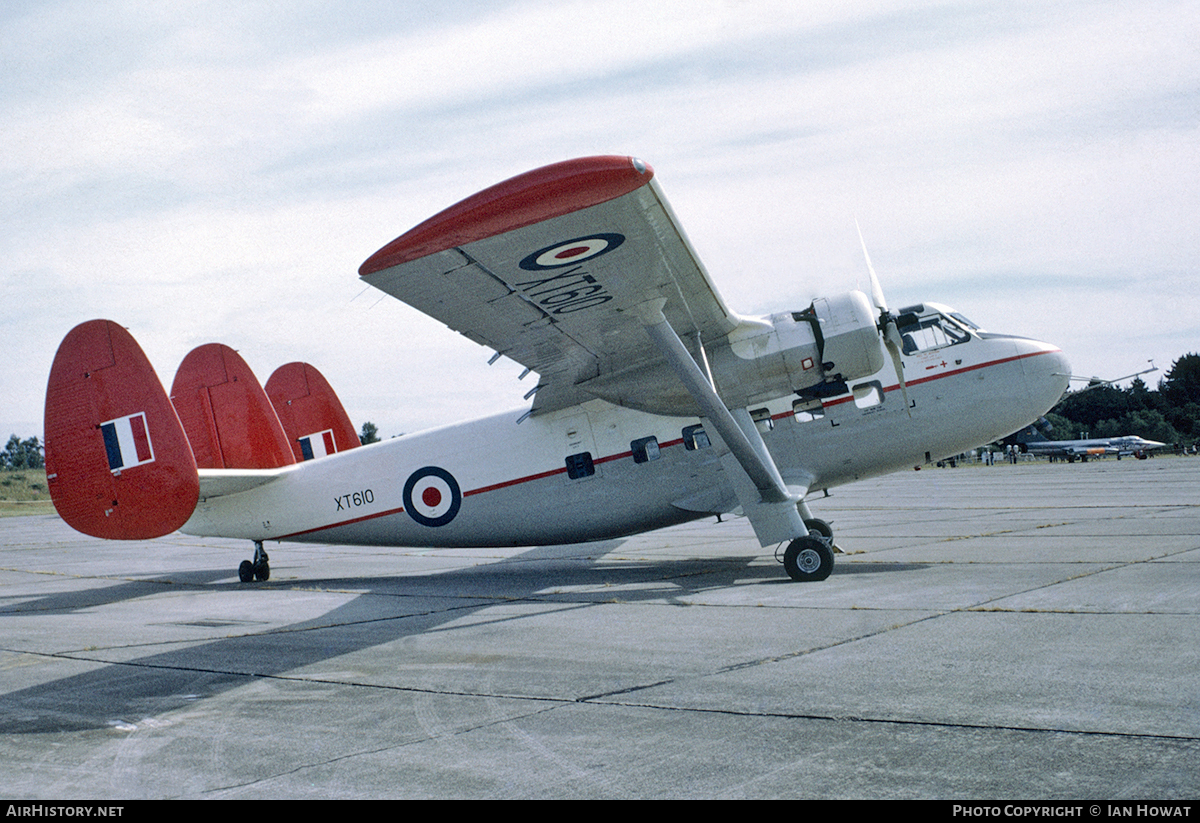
point(541, 194)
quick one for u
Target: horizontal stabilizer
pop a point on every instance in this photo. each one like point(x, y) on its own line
point(118, 463)
point(313, 418)
point(228, 418)
point(220, 482)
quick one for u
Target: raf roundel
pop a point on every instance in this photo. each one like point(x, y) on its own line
point(569, 252)
point(432, 496)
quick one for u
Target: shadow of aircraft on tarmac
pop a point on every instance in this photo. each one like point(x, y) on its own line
point(380, 611)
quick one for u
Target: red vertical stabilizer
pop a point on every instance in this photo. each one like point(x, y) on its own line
point(314, 419)
point(118, 463)
point(228, 419)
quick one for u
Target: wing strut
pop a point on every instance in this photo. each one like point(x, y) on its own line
point(761, 490)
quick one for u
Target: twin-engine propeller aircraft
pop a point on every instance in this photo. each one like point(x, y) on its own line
point(654, 403)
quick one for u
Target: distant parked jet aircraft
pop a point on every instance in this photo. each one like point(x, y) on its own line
point(1032, 440)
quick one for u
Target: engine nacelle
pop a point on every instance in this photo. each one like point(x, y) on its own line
point(831, 342)
point(852, 346)
point(834, 340)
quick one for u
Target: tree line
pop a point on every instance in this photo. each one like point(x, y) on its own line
point(22, 454)
point(27, 454)
point(1169, 414)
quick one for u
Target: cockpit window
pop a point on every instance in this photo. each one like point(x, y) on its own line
point(961, 319)
point(932, 332)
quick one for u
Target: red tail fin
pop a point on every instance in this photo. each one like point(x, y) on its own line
point(311, 414)
point(117, 461)
point(226, 414)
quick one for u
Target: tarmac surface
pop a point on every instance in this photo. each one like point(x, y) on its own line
point(1006, 632)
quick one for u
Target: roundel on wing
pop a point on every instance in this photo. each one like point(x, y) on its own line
point(432, 496)
point(569, 252)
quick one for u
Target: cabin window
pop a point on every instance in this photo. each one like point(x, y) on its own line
point(580, 465)
point(867, 395)
point(806, 410)
point(762, 420)
point(694, 437)
point(645, 449)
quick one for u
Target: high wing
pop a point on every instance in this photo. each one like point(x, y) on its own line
point(552, 269)
point(580, 272)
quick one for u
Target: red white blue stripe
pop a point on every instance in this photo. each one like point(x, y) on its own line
point(127, 442)
point(317, 444)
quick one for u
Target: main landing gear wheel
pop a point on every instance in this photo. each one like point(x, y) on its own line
point(259, 569)
point(808, 559)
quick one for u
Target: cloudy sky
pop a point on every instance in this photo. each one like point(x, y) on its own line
point(217, 171)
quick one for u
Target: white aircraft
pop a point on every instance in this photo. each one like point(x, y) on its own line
point(655, 403)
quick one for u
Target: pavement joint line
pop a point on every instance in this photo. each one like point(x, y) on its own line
point(1099, 700)
point(600, 700)
point(415, 741)
point(849, 718)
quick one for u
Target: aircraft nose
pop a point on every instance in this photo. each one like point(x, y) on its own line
point(1046, 373)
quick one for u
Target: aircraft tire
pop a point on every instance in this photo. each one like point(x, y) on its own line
point(808, 559)
point(246, 572)
point(262, 572)
point(815, 524)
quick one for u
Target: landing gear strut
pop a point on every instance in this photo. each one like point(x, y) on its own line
point(258, 569)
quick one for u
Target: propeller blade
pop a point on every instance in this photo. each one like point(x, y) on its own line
point(876, 289)
point(891, 339)
point(887, 323)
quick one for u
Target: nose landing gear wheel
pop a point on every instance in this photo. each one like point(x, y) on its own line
point(808, 559)
point(819, 526)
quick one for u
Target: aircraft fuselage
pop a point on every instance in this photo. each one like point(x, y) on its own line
point(597, 470)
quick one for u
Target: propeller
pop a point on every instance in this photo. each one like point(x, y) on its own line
point(887, 323)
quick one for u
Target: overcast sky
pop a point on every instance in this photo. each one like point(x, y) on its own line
point(217, 171)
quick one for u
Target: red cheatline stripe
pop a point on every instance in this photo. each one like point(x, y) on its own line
point(951, 372)
point(518, 481)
